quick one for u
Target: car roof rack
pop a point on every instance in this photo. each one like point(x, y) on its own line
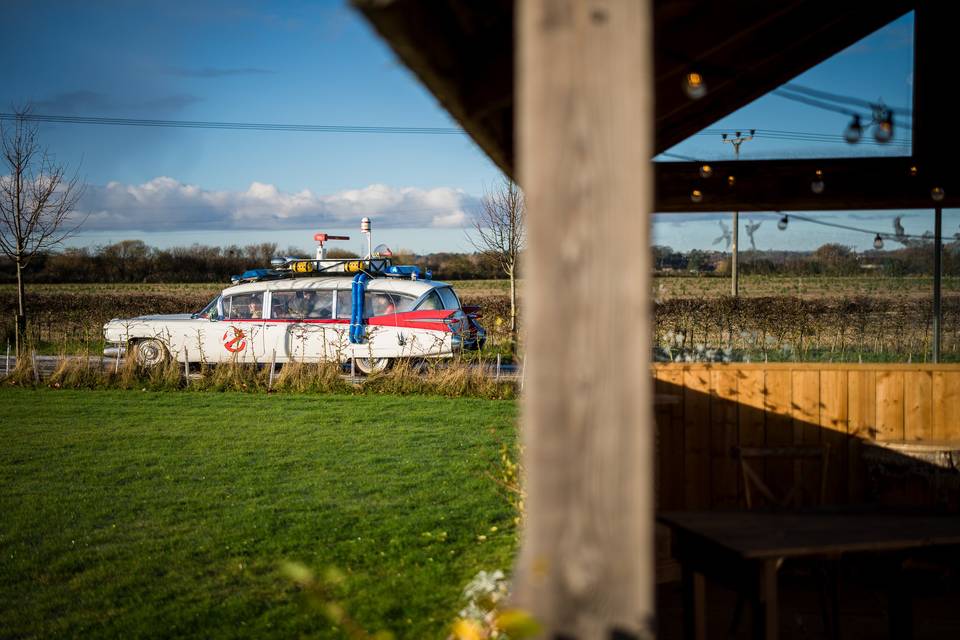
point(377, 263)
point(291, 267)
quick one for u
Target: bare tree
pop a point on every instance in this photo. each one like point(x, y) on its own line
point(36, 202)
point(500, 234)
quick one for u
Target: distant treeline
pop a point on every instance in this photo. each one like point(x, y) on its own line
point(135, 261)
point(828, 260)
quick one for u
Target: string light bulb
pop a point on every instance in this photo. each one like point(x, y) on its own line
point(854, 131)
point(937, 194)
point(783, 222)
point(914, 171)
point(878, 242)
point(731, 181)
point(817, 185)
point(706, 171)
point(696, 195)
point(883, 132)
point(694, 86)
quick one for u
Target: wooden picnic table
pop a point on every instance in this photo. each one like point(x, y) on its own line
point(745, 550)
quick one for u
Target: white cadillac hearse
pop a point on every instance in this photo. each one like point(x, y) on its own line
point(311, 310)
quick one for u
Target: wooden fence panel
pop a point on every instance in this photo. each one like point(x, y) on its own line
point(696, 438)
point(889, 405)
point(723, 438)
point(862, 413)
point(834, 423)
point(670, 427)
point(724, 406)
point(778, 388)
point(946, 405)
point(805, 408)
point(917, 405)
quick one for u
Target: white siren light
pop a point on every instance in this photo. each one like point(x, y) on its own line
point(365, 228)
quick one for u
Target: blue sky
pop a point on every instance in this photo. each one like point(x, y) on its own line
point(320, 63)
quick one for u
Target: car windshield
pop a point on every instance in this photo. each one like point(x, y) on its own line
point(209, 311)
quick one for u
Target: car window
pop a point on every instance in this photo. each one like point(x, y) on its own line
point(431, 303)
point(209, 311)
point(344, 303)
point(303, 304)
point(375, 303)
point(449, 298)
point(382, 303)
point(244, 306)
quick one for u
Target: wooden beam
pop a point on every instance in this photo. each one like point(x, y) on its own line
point(585, 120)
point(746, 49)
point(463, 53)
point(785, 185)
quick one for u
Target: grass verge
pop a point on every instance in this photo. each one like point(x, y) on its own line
point(130, 513)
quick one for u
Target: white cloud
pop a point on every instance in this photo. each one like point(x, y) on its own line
point(165, 204)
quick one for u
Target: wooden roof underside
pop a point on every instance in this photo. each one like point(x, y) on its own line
point(464, 54)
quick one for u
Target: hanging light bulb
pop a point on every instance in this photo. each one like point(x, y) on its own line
point(731, 181)
point(694, 85)
point(914, 171)
point(878, 242)
point(883, 132)
point(817, 185)
point(937, 194)
point(783, 222)
point(706, 171)
point(696, 195)
point(854, 131)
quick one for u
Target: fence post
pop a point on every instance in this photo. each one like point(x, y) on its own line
point(6, 364)
point(353, 366)
point(273, 367)
point(497, 378)
point(36, 371)
point(186, 367)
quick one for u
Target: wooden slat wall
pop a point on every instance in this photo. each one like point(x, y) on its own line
point(719, 406)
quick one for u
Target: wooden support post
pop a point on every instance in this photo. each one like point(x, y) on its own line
point(186, 367)
point(6, 364)
point(36, 370)
point(585, 139)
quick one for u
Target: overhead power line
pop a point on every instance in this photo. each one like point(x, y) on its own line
point(837, 97)
point(242, 126)
point(317, 128)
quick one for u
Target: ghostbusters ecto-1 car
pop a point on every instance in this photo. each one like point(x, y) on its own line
point(309, 310)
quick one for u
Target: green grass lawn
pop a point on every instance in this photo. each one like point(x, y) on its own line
point(126, 514)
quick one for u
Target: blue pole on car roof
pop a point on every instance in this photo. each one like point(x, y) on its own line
point(356, 313)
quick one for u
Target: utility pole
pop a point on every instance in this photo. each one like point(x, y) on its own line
point(736, 141)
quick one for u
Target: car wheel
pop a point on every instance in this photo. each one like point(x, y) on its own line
point(149, 352)
point(370, 366)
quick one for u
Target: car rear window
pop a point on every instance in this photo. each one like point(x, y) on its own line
point(450, 300)
point(375, 303)
point(431, 303)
